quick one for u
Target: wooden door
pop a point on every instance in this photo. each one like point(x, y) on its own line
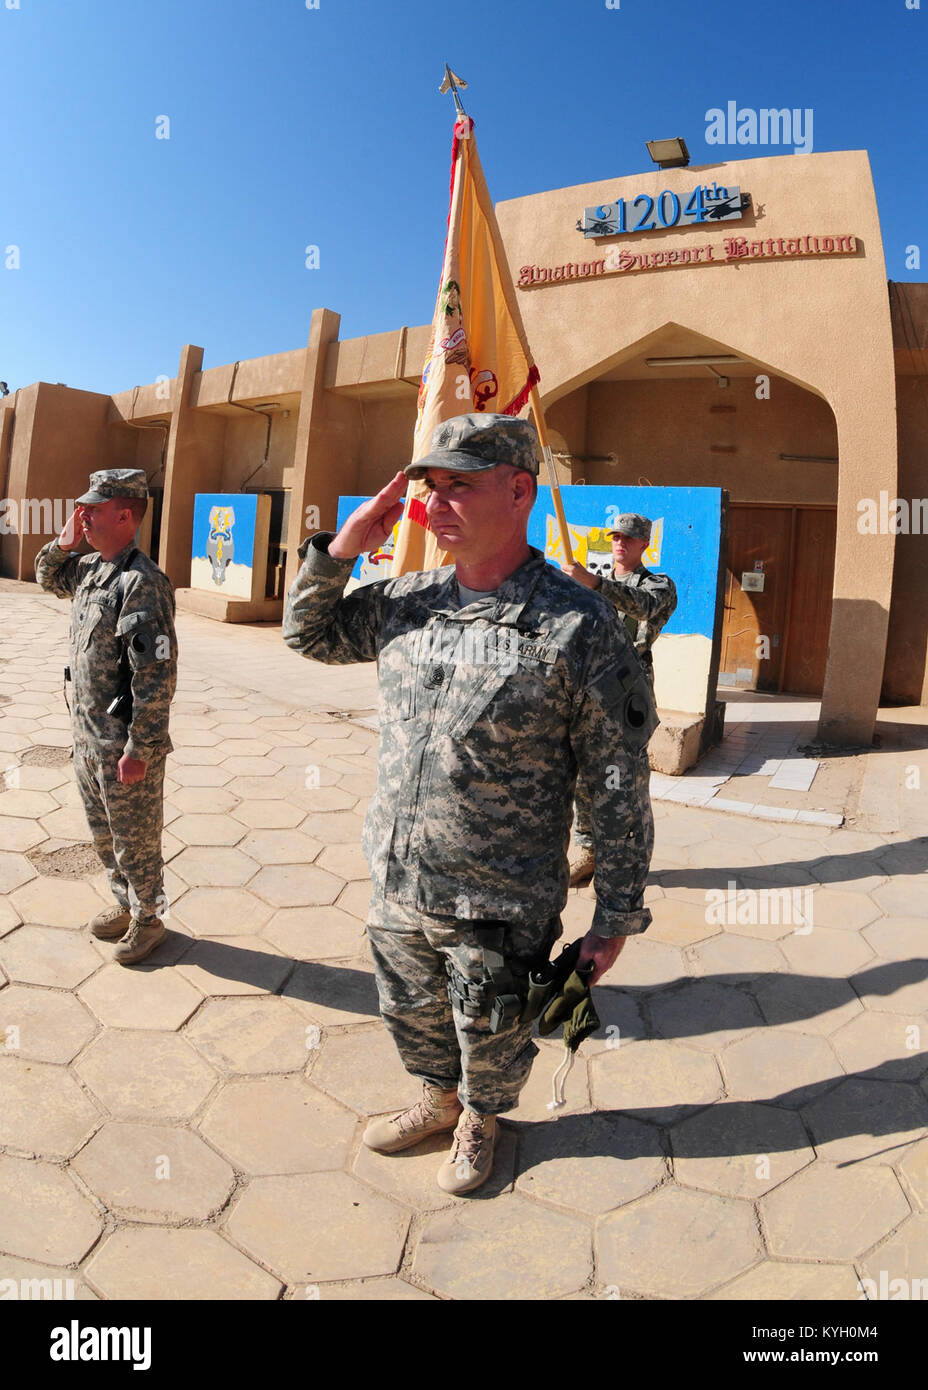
point(754, 619)
point(810, 601)
point(775, 639)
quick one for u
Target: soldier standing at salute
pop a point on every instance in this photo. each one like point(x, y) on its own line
point(123, 671)
point(499, 678)
point(645, 600)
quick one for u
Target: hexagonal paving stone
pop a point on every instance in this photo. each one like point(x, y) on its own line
point(315, 933)
point(789, 1068)
point(894, 987)
point(146, 1075)
point(619, 1017)
point(216, 867)
point(245, 766)
point(899, 1268)
point(893, 1043)
point(154, 1173)
point(707, 1014)
point(334, 995)
point(50, 1027)
point(898, 938)
point(140, 997)
point(222, 912)
point(356, 899)
point(318, 1226)
point(914, 1169)
point(278, 1125)
point(863, 1119)
point(807, 1005)
point(68, 823)
point(207, 830)
point(831, 1213)
point(48, 956)
point(663, 1080)
point(20, 834)
point(44, 1110)
point(296, 885)
point(215, 801)
point(743, 957)
point(362, 1069)
point(269, 814)
point(15, 870)
point(903, 897)
point(193, 776)
point(590, 1163)
point(364, 1291)
point(843, 911)
point(253, 1035)
point(43, 1216)
point(739, 1150)
point(676, 1244)
point(27, 805)
point(9, 917)
point(334, 827)
point(151, 1264)
point(328, 798)
point(678, 923)
point(778, 1279)
point(649, 964)
point(506, 1249)
point(536, 1095)
point(346, 861)
point(281, 847)
point(235, 965)
point(826, 952)
point(43, 902)
point(45, 1283)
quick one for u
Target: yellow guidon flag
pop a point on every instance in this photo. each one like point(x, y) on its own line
point(478, 358)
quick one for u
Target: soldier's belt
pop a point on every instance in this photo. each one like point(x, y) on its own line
point(499, 992)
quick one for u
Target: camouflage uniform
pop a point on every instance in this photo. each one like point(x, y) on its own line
point(486, 713)
point(644, 600)
point(109, 612)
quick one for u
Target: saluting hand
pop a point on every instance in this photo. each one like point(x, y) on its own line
point(72, 533)
point(370, 524)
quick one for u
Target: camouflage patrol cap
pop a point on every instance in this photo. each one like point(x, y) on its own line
point(115, 482)
point(472, 443)
point(638, 528)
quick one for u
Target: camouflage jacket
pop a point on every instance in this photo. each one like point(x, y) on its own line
point(486, 714)
point(646, 599)
point(108, 615)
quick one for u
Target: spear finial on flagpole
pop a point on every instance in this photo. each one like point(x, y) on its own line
point(450, 83)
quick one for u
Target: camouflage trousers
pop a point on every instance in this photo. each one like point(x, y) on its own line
point(436, 1041)
point(125, 824)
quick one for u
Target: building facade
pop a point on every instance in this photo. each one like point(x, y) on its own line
point(750, 343)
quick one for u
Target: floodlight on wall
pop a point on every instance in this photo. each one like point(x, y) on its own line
point(669, 154)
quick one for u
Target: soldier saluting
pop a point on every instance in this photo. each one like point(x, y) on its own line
point(499, 678)
point(644, 600)
point(123, 672)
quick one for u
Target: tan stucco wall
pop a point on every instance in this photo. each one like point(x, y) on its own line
point(822, 323)
point(664, 431)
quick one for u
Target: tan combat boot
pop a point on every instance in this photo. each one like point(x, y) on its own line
point(438, 1110)
point(470, 1161)
point(111, 923)
point(581, 863)
point(140, 940)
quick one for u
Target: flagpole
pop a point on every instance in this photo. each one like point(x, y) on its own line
point(451, 82)
point(542, 429)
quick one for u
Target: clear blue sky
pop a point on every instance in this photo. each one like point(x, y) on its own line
point(292, 126)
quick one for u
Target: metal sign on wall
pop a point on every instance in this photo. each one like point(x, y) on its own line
point(704, 203)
